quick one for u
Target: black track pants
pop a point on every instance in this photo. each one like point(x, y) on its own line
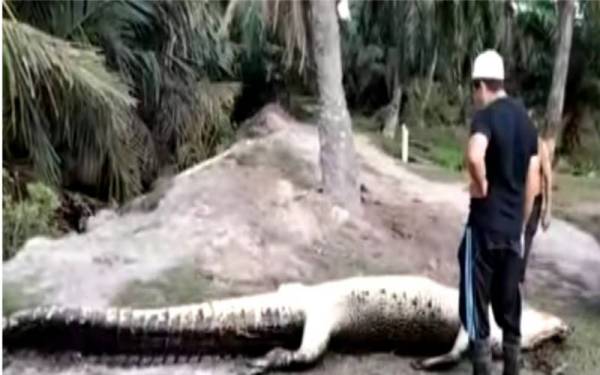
point(490, 271)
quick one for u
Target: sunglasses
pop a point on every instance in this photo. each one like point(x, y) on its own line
point(476, 84)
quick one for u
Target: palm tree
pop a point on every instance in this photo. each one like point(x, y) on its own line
point(101, 91)
point(559, 77)
point(337, 157)
point(309, 33)
point(49, 85)
point(414, 43)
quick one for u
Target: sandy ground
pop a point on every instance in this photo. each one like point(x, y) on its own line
point(251, 219)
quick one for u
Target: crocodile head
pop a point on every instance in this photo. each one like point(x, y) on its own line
point(538, 327)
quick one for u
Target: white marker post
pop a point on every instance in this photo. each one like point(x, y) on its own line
point(343, 10)
point(404, 143)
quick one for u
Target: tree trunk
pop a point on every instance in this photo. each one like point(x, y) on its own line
point(391, 119)
point(337, 158)
point(559, 76)
point(430, 76)
point(507, 46)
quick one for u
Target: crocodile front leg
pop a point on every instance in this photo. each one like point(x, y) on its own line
point(315, 338)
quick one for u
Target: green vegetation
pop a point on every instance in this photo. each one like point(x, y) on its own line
point(438, 153)
point(14, 299)
point(27, 216)
point(576, 199)
point(102, 97)
point(426, 48)
point(444, 146)
point(581, 352)
point(99, 95)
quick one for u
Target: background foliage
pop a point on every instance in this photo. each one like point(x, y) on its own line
point(26, 216)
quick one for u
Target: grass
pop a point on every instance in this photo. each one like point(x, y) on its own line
point(435, 154)
point(439, 155)
point(571, 190)
point(26, 215)
point(361, 123)
point(179, 285)
point(436, 173)
point(581, 351)
point(576, 199)
point(14, 298)
point(443, 145)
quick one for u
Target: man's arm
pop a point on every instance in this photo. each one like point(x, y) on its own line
point(546, 165)
point(475, 156)
point(531, 186)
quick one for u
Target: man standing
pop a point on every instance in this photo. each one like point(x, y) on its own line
point(542, 203)
point(502, 162)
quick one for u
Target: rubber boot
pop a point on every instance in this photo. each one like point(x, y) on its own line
point(481, 357)
point(511, 350)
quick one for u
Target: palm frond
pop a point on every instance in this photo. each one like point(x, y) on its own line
point(191, 41)
point(208, 123)
point(60, 94)
point(289, 20)
point(86, 20)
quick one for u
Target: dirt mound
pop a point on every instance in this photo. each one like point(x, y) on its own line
point(251, 216)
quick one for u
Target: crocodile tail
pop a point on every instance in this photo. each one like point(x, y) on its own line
point(193, 330)
point(56, 328)
point(108, 331)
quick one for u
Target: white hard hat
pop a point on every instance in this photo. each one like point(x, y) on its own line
point(488, 65)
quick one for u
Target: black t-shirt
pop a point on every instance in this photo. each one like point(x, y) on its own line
point(512, 140)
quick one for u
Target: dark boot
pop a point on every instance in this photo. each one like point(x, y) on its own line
point(511, 350)
point(481, 356)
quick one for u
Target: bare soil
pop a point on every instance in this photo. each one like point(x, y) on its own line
point(253, 218)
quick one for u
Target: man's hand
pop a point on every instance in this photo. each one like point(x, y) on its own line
point(477, 191)
point(475, 155)
point(546, 218)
